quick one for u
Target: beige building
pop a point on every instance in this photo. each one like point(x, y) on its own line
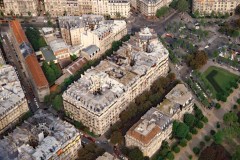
point(114, 8)
point(91, 32)
point(43, 136)
point(13, 103)
point(107, 156)
point(149, 7)
point(60, 49)
point(156, 125)
point(217, 6)
point(21, 7)
point(104, 91)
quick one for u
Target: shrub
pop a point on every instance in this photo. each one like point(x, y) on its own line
point(205, 119)
point(202, 144)
point(170, 156)
point(238, 101)
point(217, 106)
point(235, 106)
point(196, 150)
point(189, 137)
point(194, 131)
point(176, 149)
point(207, 138)
point(212, 132)
point(183, 143)
point(218, 125)
point(190, 157)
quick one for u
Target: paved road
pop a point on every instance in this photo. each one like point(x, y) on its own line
point(214, 116)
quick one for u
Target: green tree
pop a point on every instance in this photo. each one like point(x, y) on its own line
point(162, 11)
point(135, 153)
point(217, 106)
point(237, 10)
point(58, 102)
point(176, 149)
point(118, 14)
point(116, 138)
point(73, 57)
point(170, 156)
point(180, 130)
point(196, 150)
point(29, 14)
point(56, 69)
point(189, 119)
point(183, 142)
point(182, 5)
point(218, 137)
point(230, 118)
point(199, 124)
point(50, 75)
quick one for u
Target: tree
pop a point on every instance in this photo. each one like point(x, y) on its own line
point(183, 142)
point(196, 150)
point(73, 57)
point(236, 155)
point(182, 5)
point(1, 14)
point(58, 102)
point(170, 156)
point(50, 75)
point(162, 11)
point(56, 69)
point(218, 137)
point(180, 130)
point(197, 60)
point(171, 76)
point(238, 100)
point(230, 118)
point(135, 153)
point(116, 137)
point(217, 106)
point(199, 124)
point(118, 15)
point(207, 138)
point(176, 149)
point(189, 137)
point(189, 119)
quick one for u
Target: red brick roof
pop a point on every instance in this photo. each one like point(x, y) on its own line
point(31, 60)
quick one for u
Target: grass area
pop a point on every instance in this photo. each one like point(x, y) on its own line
point(219, 79)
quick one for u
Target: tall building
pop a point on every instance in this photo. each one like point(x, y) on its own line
point(104, 91)
point(13, 103)
point(206, 7)
point(92, 32)
point(42, 136)
point(113, 8)
point(60, 49)
point(149, 7)
point(156, 125)
point(29, 61)
point(21, 7)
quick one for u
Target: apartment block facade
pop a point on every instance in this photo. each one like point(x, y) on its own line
point(104, 91)
point(113, 8)
point(21, 7)
point(206, 7)
point(13, 103)
point(149, 7)
point(156, 125)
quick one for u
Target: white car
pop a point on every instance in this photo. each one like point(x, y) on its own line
point(45, 21)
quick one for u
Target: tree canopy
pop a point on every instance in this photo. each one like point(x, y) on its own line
point(180, 130)
point(135, 153)
point(189, 119)
point(116, 137)
point(230, 118)
point(197, 60)
point(34, 37)
point(182, 5)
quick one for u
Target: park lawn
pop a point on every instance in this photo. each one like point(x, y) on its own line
point(219, 79)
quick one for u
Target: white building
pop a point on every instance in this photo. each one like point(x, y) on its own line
point(21, 7)
point(103, 92)
point(13, 103)
point(42, 136)
point(149, 7)
point(113, 8)
point(206, 7)
point(156, 125)
point(91, 32)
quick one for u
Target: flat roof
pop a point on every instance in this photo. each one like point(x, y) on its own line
point(48, 54)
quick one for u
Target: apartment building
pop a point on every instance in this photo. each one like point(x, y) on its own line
point(114, 8)
point(21, 7)
point(206, 7)
point(104, 91)
point(60, 49)
point(149, 132)
point(91, 32)
point(2, 61)
point(43, 136)
point(149, 7)
point(107, 156)
point(29, 62)
point(13, 104)
point(156, 125)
